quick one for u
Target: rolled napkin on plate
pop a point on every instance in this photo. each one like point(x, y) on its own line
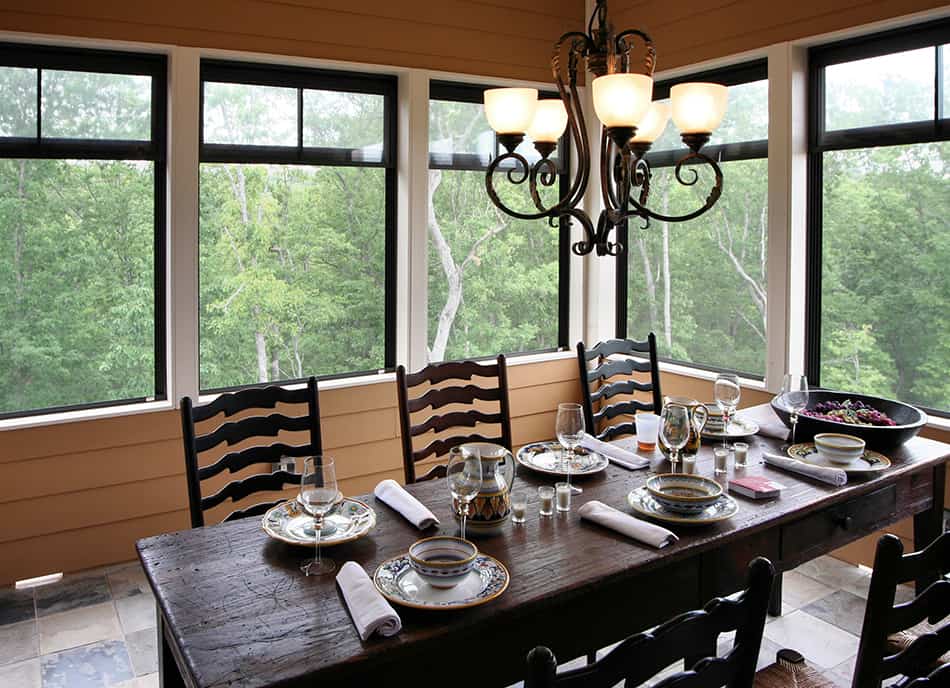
point(393, 494)
point(370, 611)
point(607, 516)
point(616, 454)
point(832, 476)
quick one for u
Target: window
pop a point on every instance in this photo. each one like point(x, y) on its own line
point(297, 232)
point(701, 285)
point(496, 283)
point(82, 226)
point(878, 300)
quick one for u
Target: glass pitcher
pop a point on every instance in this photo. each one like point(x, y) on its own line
point(697, 417)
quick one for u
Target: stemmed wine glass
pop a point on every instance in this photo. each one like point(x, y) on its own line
point(318, 494)
point(726, 392)
point(464, 473)
point(674, 430)
point(794, 396)
point(569, 427)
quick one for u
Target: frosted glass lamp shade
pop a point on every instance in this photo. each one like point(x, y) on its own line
point(550, 121)
point(510, 110)
point(698, 108)
point(653, 123)
point(621, 100)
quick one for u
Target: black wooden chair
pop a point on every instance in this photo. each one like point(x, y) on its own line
point(691, 636)
point(434, 397)
point(617, 357)
point(247, 428)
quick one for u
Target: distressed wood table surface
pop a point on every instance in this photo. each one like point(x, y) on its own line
point(234, 609)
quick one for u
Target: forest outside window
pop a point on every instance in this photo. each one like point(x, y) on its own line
point(297, 228)
point(878, 304)
point(82, 223)
point(496, 284)
point(701, 285)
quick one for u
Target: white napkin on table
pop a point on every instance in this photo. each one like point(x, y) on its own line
point(370, 610)
point(607, 516)
point(832, 476)
point(415, 511)
point(617, 455)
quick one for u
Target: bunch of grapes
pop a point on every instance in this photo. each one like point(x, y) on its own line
point(849, 411)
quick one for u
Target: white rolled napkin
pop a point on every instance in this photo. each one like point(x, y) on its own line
point(832, 476)
point(617, 455)
point(607, 516)
point(370, 611)
point(396, 496)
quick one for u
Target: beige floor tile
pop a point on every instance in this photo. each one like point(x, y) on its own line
point(136, 613)
point(799, 590)
point(21, 675)
point(148, 681)
point(78, 627)
point(129, 580)
point(822, 644)
point(18, 642)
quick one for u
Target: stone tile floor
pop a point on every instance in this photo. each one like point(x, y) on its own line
point(97, 629)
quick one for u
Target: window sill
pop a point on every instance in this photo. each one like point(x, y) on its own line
point(938, 422)
point(84, 414)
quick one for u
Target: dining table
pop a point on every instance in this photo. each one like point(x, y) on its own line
point(235, 610)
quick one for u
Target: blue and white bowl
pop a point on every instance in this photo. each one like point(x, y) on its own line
point(442, 561)
point(684, 493)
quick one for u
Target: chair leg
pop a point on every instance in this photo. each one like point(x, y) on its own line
point(592, 657)
point(775, 597)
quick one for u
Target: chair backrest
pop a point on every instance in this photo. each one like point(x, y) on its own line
point(878, 661)
point(617, 357)
point(938, 678)
point(640, 657)
point(434, 397)
point(247, 428)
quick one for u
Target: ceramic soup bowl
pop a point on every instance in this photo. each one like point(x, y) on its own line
point(442, 561)
point(682, 493)
point(838, 447)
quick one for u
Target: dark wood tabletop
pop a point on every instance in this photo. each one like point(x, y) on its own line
point(236, 611)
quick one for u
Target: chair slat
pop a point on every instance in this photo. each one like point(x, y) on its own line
point(440, 470)
point(621, 408)
point(236, 461)
point(934, 557)
point(442, 446)
point(612, 347)
point(924, 652)
point(618, 430)
point(623, 366)
point(239, 489)
point(934, 601)
point(939, 678)
point(437, 398)
point(255, 426)
point(612, 389)
point(253, 510)
point(445, 421)
point(451, 370)
point(253, 397)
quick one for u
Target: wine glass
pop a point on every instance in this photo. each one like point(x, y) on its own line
point(464, 473)
point(318, 494)
point(674, 429)
point(794, 396)
point(726, 392)
point(569, 427)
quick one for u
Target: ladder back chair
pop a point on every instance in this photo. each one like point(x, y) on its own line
point(246, 428)
point(617, 357)
point(434, 398)
point(640, 657)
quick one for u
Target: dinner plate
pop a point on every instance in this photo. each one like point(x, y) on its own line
point(644, 504)
point(399, 583)
point(546, 457)
point(805, 451)
point(349, 520)
point(738, 428)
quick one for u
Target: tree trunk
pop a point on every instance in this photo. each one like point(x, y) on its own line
point(453, 275)
point(261, 343)
point(648, 278)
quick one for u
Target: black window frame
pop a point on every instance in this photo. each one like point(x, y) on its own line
point(931, 34)
point(155, 150)
point(301, 79)
point(733, 75)
point(474, 93)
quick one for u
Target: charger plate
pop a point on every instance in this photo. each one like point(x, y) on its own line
point(350, 519)
point(738, 428)
point(399, 583)
point(873, 462)
point(546, 457)
point(644, 504)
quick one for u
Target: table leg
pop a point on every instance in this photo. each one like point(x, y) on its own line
point(775, 597)
point(169, 675)
point(928, 525)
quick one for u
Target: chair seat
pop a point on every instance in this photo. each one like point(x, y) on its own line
point(790, 671)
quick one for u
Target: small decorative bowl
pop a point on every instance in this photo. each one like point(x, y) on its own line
point(683, 493)
point(838, 447)
point(442, 561)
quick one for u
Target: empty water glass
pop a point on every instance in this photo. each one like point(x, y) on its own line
point(546, 495)
point(519, 505)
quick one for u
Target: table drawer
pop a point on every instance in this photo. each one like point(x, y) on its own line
point(837, 525)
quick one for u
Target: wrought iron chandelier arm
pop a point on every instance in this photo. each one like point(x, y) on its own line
point(624, 44)
point(518, 175)
point(579, 45)
point(640, 210)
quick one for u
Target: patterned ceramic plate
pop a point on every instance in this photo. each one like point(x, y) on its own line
point(398, 583)
point(349, 520)
point(641, 502)
point(738, 427)
point(549, 457)
point(872, 462)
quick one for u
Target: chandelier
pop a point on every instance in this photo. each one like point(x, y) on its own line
point(622, 97)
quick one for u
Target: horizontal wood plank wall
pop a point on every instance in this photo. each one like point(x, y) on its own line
point(498, 39)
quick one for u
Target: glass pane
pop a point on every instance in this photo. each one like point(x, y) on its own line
point(90, 105)
point(292, 272)
point(889, 89)
point(701, 285)
point(945, 57)
point(344, 120)
point(77, 298)
point(885, 327)
point(459, 129)
point(243, 114)
point(18, 104)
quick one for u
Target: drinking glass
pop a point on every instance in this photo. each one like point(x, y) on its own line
point(726, 392)
point(464, 473)
point(674, 430)
point(519, 505)
point(794, 396)
point(569, 427)
point(318, 494)
point(648, 424)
